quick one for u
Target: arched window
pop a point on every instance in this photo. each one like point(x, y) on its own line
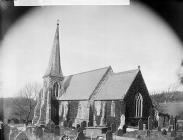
point(138, 105)
point(55, 89)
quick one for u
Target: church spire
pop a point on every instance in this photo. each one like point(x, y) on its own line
point(54, 67)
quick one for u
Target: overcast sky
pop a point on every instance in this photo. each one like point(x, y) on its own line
point(91, 37)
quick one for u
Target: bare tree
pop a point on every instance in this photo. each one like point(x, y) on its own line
point(25, 102)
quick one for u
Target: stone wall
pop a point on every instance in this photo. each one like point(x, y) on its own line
point(108, 112)
point(74, 112)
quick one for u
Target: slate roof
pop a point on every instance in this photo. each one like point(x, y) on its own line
point(117, 85)
point(81, 86)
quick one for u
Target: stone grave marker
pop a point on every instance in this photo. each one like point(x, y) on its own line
point(175, 123)
point(173, 133)
point(65, 124)
point(6, 131)
point(120, 132)
point(57, 131)
point(109, 135)
point(171, 120)
point(83, 124)
point(80, 136)
point(159, 128)
point(70, 124)
point(77, 126)
point(140, 124)
point(113, 127)
point(13, 133)
point(124, 129)
point(51, 126)
point(21, 136)
point(29, 131)
point(169, 128)
point(148, 133)
point(38, 132)
point(150, 125)
point(65, 137)
point(144, 126)
point(164, 132)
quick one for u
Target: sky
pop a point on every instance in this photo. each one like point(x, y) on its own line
point(91, 37)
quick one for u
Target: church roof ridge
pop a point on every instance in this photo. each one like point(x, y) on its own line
point(107, 67)
point(127, 71)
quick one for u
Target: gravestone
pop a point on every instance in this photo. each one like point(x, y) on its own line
point(109, 135)
point(108, 124)
point(159, 128)
point(65, 124)
point(120, 132)
point(65, 137)
point(113, 127)
point(1, 131)
point(164, 132)
point(29, 132)
point(175, 123)
point(80, 136)
point(148, 133)
point(144, 126)
point(89, 124)
point(38, 132)
point(150, 123)
point(169, 128)
point(140, 124)
point(70, 124)
point(13, 133)
point(83, 124)
point(139, 137)
point(122, 121)
point(173, 133)
point(6, 131)
point(21, 136)
point(77, 126)
point(50, 127)
point(171, 120)
point(124, 128)
point(57, 131)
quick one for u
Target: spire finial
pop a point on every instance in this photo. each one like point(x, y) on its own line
point(58, 21)
point(138, 66)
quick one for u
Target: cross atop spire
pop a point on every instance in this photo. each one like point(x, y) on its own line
point(54, 67)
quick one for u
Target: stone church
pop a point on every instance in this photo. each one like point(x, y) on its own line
point(99, 97)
